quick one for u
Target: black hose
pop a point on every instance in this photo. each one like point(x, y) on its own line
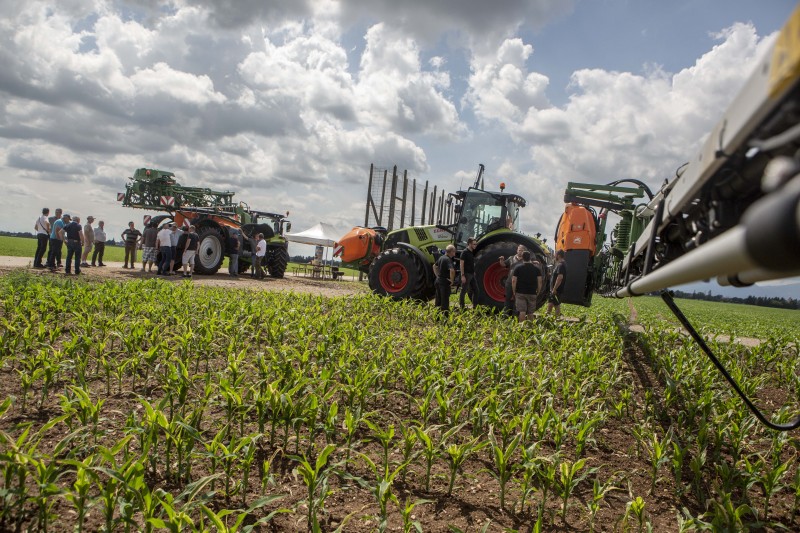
point(794, 424)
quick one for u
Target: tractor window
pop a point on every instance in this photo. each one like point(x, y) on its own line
point(483, 212)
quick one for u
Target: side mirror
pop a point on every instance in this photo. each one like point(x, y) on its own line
point(288, 227)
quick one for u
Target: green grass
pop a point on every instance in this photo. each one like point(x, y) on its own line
point(25, 247)
point(718, 318)
point(22, 247)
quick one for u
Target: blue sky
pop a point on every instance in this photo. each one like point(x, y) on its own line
point(287, 102)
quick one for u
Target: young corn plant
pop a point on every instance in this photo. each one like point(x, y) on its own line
point(659, 456)
point(315, 477)
point(381, 487)
point(599, 492)
point(770, 481)
point(570, 477)
point(503, 463)
point(408, 518)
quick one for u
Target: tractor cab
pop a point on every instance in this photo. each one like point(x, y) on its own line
point(482, 212)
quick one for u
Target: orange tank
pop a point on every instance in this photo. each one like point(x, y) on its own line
point(359, 245)
point(576, 230)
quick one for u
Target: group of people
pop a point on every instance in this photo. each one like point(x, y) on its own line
point(524, 283)
point(53, 232)
point(161, 246)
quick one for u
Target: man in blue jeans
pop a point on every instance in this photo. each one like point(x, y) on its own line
point(56, 236)
point(73, 236)
point(164, 245)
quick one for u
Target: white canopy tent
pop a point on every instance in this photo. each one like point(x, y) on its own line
point(321, 234)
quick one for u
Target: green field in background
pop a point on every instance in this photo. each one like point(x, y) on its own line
point(23, 247)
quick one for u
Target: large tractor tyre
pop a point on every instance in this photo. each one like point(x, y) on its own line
point(398, 274)
point(210, 251)
point(491, 275)
point(277, 260)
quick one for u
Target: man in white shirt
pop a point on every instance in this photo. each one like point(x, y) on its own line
point(261, 252)
point(42, 228)
point(164, 245)
point(99, 244)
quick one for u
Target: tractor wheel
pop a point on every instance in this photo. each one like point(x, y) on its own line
point(398, 274)
point(491, 276)
point(277, 259)
point(210, 251)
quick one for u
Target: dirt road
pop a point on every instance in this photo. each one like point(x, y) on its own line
point(114, 271)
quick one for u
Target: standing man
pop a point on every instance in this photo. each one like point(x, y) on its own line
point(42, 228)
point(510, 263)
point(468, 282)
point(233, 258)
point(189, 251)
point(56, 236)
point(174, 237)
point(88, 240)
point(99, 244)
point(445, 276)
point(73, 236)
point(164, 245)
point(261, 252)
point(149, 254)
point(526, 284)
point(52, 220)
point(131, 237)
point(557, 281)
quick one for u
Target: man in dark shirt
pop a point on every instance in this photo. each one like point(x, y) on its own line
point(557, 282)
point(510, 263)
point(526, 284)
point(189, 251)
point(445, 275)
point(468, 282)
point(73, 236)
point(131, 238)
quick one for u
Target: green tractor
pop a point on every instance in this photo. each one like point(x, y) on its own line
point(400, 263)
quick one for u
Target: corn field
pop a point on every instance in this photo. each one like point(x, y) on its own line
point(150, 406)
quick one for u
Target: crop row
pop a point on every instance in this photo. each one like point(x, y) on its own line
point(151, 405)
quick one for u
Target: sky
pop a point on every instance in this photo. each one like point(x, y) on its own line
point(288, 102)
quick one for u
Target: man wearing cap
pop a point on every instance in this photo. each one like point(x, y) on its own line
point(88, 240)
point(73, 236)
point(56, 240)
point(99, 244)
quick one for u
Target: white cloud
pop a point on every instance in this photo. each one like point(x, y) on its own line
point(184, 87)
point(615, 124)
point(502, 89)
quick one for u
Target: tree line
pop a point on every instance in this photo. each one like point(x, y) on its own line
point(761, 301)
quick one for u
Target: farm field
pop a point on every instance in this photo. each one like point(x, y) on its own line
point(23, 247)
point(151, 405)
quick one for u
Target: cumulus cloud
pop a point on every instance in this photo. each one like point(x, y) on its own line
point(476, 21)
point(273, 100)
point(615, 124)
point(502, 89)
